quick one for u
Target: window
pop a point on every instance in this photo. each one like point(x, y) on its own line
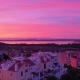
point(26, 70)
point(41, 73)
point(56, 64)
point(21, 73)
point(44, 66)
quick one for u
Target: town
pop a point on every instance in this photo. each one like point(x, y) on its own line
point(39, 66)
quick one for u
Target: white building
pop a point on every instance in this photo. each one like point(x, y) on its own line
point(16, 69)
point(49, 64)
point(37, 67)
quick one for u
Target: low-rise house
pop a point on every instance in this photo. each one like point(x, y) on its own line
point(16, 69)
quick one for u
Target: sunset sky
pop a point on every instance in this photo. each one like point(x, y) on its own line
point(40, 19)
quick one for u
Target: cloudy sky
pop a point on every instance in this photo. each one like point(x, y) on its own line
point(40, 19)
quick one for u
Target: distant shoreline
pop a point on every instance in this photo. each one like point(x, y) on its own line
point(40, 40)
point(51, 47)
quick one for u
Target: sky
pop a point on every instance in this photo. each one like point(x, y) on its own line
point(40, 19)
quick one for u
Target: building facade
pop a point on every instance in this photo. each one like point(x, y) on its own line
point(36, 67)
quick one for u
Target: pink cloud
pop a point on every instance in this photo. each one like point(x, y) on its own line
point(59, 5)
point(38, 31)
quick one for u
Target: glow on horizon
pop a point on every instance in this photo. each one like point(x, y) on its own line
point(40, 19)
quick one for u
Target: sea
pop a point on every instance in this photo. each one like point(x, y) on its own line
point(39, 42)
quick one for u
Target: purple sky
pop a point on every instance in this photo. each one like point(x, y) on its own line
point(40, 19)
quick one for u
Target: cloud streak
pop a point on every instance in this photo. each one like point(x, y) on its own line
point(39, 18)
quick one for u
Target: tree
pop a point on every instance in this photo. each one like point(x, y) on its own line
point(51, 78)
point(72, 74)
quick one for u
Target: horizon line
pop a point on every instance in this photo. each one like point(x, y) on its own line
point(37, 39)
